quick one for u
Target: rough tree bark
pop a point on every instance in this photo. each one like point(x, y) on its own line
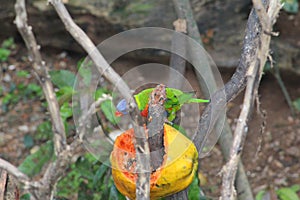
point(155, 126)
point(266, 13)
point(184, 10)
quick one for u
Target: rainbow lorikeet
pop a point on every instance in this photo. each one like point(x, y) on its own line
point(175, 99)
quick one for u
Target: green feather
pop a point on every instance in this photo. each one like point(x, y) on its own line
point(142, 98)
point(175, 99)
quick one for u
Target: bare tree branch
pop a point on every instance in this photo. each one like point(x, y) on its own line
point(230, 169)
point(262, 15)
point(177, 63)
point(105, 70)
point(142, 162)
point(253, 75)
point(155, 126)
point(43, 189)
point(3, 182)
point(80, 36)
point(49, 180)
point(85, 120)
point(184, 10)
point(233, 87)
point(13, 171)
point(42, 75)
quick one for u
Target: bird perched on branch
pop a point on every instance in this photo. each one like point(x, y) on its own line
point(173, 156)
point(175, 99)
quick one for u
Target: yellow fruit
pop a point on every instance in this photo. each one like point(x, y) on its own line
point(176, 173)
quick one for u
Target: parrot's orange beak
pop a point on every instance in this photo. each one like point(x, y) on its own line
point(119, 114)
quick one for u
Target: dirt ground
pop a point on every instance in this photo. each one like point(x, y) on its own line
point(271, 157)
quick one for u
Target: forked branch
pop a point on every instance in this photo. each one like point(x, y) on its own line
point(266, 18)
point(104, 69)
point(42, 75)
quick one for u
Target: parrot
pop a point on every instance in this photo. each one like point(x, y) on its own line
point(175, 99)
point(121, 108)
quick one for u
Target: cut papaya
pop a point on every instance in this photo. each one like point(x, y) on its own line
point(176, 173)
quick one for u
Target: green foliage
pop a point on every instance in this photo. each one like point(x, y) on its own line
point(9, 43)
point(20, 92)
point(4, 54)
point(284, 193)
point(23, 74)
point(296, 104)
point(267, 66)
point(195, 191)
point(87, 178)
point(44, 131)
point(66, 111)
point(5, 49)
point(135, 7)
point(33, 164)
point(109, 110)
point(139, 7)
point(90, 179)
point(260, 195)
point(115, 194)
point(62, 78)
point(107, 107)
point(288, 193)
point(85, 71)
point(64, 94)
point(33, 90)
point(28, 141)
point(99, 92)
point(25, 197)
point(1, 91)
point(290, 6)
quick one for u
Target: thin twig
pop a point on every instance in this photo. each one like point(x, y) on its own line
point(184, 10)
point(85, 119)
point(13, 171)
point(230, 169)
point(287, 97)
point(177, 63)
point(43, 189)
point(3, 183)
point(105, 70)
point(80, 36)
point(253, 74)
point(176, 74)
point(42, 75)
